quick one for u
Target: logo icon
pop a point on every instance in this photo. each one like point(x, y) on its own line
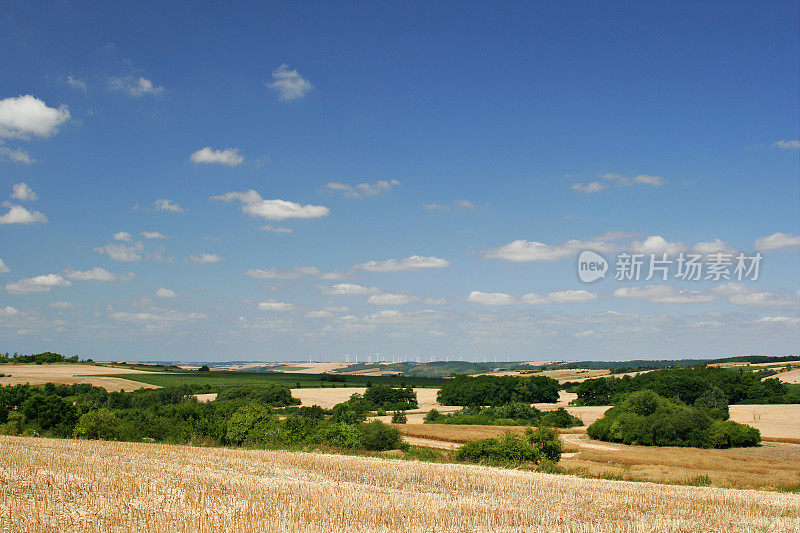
point(591, 266)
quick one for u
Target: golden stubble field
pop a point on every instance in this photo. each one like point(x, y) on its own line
point(69, 485)
point(69, 373)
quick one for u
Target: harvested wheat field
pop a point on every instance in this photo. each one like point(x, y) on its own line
point(69, 485)
point(69, 373)
point(774, 421)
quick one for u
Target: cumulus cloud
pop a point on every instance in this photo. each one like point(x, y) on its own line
point(61, 305)
point(390, 299)
point(289, 84)
point(205, 258)
point(254, 205)
point(122, 236)
point(361, 189)
point(791, 144)
point(274, 273)
point(126, 253)
point(163, 317)
point(415, 262)
point(19, 215)
point(9, 311)
point(780, 320)
point(777, 241)
point(16, 155)
point(153, 235)
point(41, 283)
point(664, 294)
point(716, 246)
point(751, 297)
point(349, 289)
point(207, 155)
point(26, 116)
point(165, 293)
point(23, 193)
point(98, 274)
point(490, 298)
point(522, 250)
point(320, 313)
point(557, 297)
point(3, 267)
point(273, 305)
point(135, 86)
point(162, 204)
point(656, 244)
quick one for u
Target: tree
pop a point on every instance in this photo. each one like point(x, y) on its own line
point(98, 424)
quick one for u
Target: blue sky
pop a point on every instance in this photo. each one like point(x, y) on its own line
point(423, 178)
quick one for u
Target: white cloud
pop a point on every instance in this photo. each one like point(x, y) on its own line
point(591, 187)
point(3, 267)
point(664, 294)
point(9, 311)
point(61, 305)
point(361, 189)
point(713, 247)
point(777, 241)
point(619, 180)
point(521, 250)
point(584, 334)
point(415, 262)
point(559, 297)
point(321, 313)
point(390, 299)
point(273, 305)
point(276, 229)
point(435, 301)
point(656, 244)
point(791, 144)
point(126, 253)
point(41, 283)
point(165, 317)
point(19, 215)
point(205, 258)
point(165, 293)
point(153, 235)
point(16, 155)
point(76, 83)
point(349, 289)
point(254, 205)
point(98, 274)
point(207, 155)
point(780, 320)
point(457, 204)
point(134, 86)
point(289, 84)
point(491, 298)
point(162, 204)
point(762, 299)
point(23, 116)
point(274, 273)
point(122, 236)
point(21, 191)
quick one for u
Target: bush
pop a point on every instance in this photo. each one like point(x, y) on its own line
point(547, 441)
point(378, 436)
point(339, 434)
point(399, 417)
point(647, 419)
point(271, 394)
point(97, 424)
point(352, 411)
point(537, 446)
point(513, 414)
point(252, 423)
point(433, 416)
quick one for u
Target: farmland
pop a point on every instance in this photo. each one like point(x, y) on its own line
point(68, 485)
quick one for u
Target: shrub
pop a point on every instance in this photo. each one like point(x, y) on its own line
point(378, 436)
point(648, 419)
point(399, 417)
point(547, 441)
point(497, 390)
point(433, 416)
point(339, 434)
point(352, 411)
point(251, 423)
point(97, 424)
point(510, 450)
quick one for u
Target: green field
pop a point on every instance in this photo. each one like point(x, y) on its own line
point(211, 381)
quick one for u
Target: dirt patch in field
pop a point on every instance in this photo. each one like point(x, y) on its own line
point(70, 373)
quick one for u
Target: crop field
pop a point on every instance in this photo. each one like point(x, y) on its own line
point(111, 379)
point(69, 485)
point(216, 379)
